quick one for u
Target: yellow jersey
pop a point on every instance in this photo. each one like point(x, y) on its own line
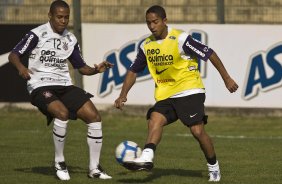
point(172, 70)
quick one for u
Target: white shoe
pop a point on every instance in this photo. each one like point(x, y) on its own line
point(214, 172)
point(144, 162)
point(62, 171)
point(99, 173)
point(146, 156)
point(214, 176)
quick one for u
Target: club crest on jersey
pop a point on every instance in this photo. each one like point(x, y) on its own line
point(68, 37)
point(47, 94)
point(65, 46)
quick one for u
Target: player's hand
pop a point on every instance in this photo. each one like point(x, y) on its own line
point(100, 68)
point(25, 73)
point(231, 85)
point(119, 103)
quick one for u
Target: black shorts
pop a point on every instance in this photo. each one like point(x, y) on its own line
point(71, 96)
point(190, 110)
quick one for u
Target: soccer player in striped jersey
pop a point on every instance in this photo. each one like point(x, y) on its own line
point(171, 56)
point(49, 47)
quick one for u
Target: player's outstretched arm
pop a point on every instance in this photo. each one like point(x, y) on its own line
point(98, 68)
point(24, 72)
point(127, 84)
point(230, 84)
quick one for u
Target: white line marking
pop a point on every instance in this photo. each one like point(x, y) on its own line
point(236, 137)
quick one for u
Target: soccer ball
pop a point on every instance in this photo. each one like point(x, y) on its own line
point(127, 151)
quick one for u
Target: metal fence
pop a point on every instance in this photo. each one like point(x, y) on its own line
point(132, 11)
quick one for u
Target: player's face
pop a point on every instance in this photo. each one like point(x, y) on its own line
point(59, 19)
point(157, 25)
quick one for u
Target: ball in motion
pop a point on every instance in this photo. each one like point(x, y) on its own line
point(127, 151)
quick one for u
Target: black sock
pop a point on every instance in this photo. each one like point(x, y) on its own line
point(211, 160)
point(151, 146)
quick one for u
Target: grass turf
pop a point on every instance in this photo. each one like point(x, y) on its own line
point(248, 148)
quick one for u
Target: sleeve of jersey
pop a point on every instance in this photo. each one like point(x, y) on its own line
point(195, 47)
point(76, 58)
point(26, 45)
point(139, 63)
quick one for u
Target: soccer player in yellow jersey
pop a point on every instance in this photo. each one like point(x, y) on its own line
point(172, 58)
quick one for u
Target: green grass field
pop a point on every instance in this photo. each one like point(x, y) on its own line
point(249, 150)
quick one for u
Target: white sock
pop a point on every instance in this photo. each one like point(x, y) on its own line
point(94, 140)
point(214, 167)
point(59, 134)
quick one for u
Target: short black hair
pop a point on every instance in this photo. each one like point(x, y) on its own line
point(160, 11)
point(58, 3)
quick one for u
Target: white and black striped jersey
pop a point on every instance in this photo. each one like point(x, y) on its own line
point(48, 54)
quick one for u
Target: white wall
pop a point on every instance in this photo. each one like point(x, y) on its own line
point(236, 45)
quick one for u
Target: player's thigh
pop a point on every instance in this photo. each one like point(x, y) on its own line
point(157, 120)
point(58, 110)
point(74, 98)
point(88, 113)
point(162, 110)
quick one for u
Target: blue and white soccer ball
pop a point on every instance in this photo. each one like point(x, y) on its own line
point(127, 151)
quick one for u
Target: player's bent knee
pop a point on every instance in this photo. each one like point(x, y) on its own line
point(62, 115)
point(197, 133)
point(92, 118)
point(97, 118)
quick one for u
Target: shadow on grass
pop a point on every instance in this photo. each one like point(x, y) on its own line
point(49, 170)
point(158, 173)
